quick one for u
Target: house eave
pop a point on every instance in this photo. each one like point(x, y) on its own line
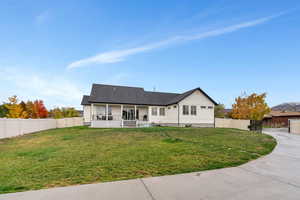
point(117, 103)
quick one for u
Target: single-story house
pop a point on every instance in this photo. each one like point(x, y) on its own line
point(279, 118)
point(122, 106)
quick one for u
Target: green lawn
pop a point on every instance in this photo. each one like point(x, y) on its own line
point(80, 155)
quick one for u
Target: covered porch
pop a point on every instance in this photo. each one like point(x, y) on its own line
point(119, 115)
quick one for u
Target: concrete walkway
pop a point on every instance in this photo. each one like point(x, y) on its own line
point(275, 176)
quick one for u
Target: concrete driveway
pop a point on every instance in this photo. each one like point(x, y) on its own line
point(275, 176)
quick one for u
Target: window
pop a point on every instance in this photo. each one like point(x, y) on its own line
point(210, 107)
point(169, 107)
point(174, 106)
point(154, 111)
point(193, 110)
point(162, 112)
point(109, 110)
point(203, 107)
point(185, 110)
point(100, 110)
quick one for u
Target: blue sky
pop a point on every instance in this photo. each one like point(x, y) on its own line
point(54, 50)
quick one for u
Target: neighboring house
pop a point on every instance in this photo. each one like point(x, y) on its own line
point(279, 118)
point(291, 106)
point(119, 106)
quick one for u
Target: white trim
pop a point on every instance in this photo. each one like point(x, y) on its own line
point(106, 112)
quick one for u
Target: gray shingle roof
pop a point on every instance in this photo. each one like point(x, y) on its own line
point(133, 95)
point(85, 100)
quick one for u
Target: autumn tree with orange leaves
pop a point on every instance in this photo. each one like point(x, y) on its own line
point(15, 109)
point(39, 109)
point(252, 107)
point(24, 110)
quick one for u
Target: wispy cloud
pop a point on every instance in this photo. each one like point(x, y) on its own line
point(120, 55)
point(27, 85)
point(42, 17)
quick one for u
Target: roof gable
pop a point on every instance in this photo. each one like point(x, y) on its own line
point(85, 100)
point(182, 96)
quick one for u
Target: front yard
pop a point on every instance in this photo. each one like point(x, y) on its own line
point(80, 155)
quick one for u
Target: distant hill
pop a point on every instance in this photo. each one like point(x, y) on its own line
point(293, 106)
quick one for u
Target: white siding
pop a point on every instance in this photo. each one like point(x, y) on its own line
point(116, 110)
point(142, 111)
point(198, 99)
point(157, 118)
point(172, 114)
point(87, 114)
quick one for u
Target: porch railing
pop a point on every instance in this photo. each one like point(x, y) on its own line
point(117, 118)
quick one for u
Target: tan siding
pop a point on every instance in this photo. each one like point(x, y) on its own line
point(203, 115)
point(87, 113)
point(158, 118)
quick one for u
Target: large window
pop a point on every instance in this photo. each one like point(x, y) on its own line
point(185, 110)
point(193, 110)
point(100, 110)
point(162, 112)
point(154, 111)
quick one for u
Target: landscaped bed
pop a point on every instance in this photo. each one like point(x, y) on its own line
point(81, 155)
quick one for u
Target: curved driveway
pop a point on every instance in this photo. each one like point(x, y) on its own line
point(275, 176)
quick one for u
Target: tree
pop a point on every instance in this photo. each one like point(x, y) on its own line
point(56, 113)
point(3, 111)
point(229, 114)
point(39, 109)
point(252, 107)
point(70, 112)
point(24, 113)
point(220, 111)
point(30, 109)
point(64, 112)
point(15, 110)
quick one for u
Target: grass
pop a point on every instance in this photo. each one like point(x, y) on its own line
point(81, 155)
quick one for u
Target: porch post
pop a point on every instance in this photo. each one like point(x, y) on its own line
point(106, 112)
point(121, 112)
point(135, 112)
point(149, 112)
point(122, 124)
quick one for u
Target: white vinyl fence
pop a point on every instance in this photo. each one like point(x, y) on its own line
point(15, 127)
point(294, 126)
point(232, 123)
